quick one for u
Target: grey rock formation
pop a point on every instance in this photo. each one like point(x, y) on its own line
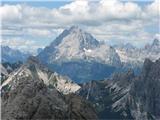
point(146, 88)
point(134, 57)
point(75, 44)
point(33, 100)
point(126, 96)
point(33, 69)
point(6, 68)
point(76, 53)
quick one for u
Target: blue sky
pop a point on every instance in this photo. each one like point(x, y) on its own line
point(36, 24)
point(59, 3)
point(48, 4)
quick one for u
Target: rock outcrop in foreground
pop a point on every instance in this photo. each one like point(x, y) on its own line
point(33, 92)
point(32, 99)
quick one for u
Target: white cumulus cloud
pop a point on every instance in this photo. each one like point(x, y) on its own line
point(105, 19)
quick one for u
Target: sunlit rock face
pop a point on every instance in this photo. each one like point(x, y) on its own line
point(76, 53)
point(35, 70)
point(76, 44)
point(132, 56)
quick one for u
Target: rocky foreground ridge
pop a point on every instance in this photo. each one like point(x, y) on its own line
point(126, 96)
point(35, 92)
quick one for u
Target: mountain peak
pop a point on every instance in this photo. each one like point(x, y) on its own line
point(75, 28)
point(75, 38)
point(76, 44)
point(7, 47)
point(33, 69)
point(146, 66)
point(155, 42)
point(128, 46)
point(147, 62)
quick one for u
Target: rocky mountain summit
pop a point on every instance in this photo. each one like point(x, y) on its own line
point(76, 53)
point(126, 96)
point(75, 44)
point(33, 69)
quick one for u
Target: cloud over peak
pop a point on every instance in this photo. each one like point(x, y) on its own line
point(110, 20)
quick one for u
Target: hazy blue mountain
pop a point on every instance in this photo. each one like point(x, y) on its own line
point(127, 46)
point(39, 50)
point(11, 55)
point(154, 47)
point(83, 71)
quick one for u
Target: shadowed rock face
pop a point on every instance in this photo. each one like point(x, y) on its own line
point(32, 99)
point(146, 88)
point(109, 96)
point(126, 96)
point(79, 108)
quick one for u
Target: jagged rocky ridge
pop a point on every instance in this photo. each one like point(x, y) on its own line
point(80, 56)
point(132, 57)
point(6, 68)
point(33, 100)
point(33, 69)
point(28, 94)
point(126, 96)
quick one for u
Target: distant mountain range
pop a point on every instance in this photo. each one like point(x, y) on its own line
point(11, 55)
point(130, 55)
point(80, 56)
